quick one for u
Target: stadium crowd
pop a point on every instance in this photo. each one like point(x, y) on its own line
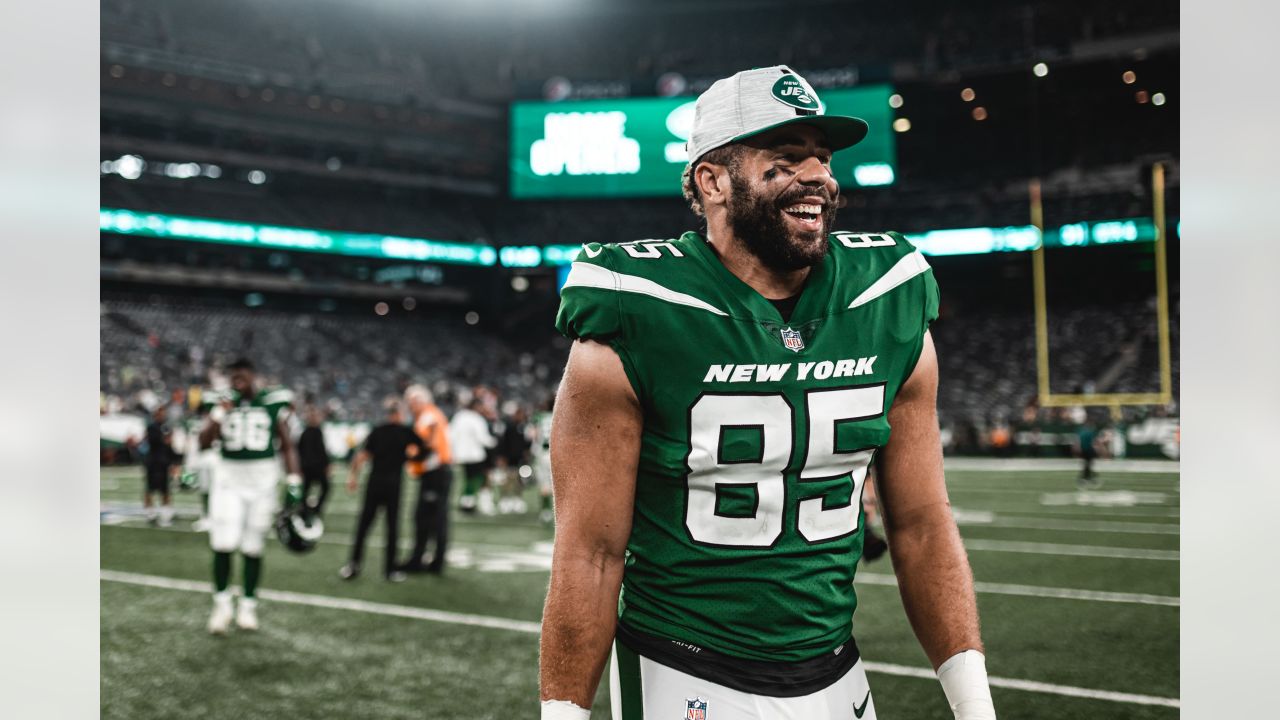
point(347, 364)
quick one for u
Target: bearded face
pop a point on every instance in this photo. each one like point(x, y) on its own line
point(787, 230)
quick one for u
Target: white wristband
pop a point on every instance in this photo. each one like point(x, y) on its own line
point(292, 479)
point(563, 710)
point(218, 414)
point(964, 681)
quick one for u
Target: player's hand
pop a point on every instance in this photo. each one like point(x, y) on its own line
point(351, 484)
point(292, 490)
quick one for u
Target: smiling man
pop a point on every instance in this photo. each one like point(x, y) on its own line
point(720, 410)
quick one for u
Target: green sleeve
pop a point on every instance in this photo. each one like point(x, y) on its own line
point(589, 301)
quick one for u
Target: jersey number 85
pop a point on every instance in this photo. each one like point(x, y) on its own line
point(773, 420)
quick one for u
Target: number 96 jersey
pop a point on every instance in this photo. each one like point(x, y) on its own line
point(758, 433)
point(249, 430)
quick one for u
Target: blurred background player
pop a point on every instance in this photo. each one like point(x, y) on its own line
point(471, 440)
point(1087, 442)
point(388, 446)
point(159, 465)
point(540, 452)
point(242, 498)
point(435, 478)
point(314, 458)
point(510, 457)
point(198, 462)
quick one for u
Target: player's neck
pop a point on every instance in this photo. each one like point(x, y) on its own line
point(745, 266)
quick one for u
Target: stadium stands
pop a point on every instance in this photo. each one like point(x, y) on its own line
point(349, 362)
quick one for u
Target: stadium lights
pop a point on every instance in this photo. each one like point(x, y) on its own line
point(979, 113)
point(472, 317)
point(968, 94)
point(872, 174)
point(256, 177)
point(1141, 97)
point(182, 171)
point(381, 308)
point(901, 125)
point(177, 227)
point(938, 242)
point(1129, 77)
point(1040, 69)
point(1158, 99)
point(895, 101)
point(129, 167)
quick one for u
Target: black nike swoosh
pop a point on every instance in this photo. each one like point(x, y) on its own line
point(859, 709)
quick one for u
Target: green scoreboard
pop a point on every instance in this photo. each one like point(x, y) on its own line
point(634, 147)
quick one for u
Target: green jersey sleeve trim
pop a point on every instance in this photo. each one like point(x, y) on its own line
point(593, 276)
point(907, 267)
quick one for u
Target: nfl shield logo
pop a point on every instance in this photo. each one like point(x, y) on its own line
point(791, 340)
point(697, 709)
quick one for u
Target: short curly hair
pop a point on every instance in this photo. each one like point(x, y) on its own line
point(729, 156)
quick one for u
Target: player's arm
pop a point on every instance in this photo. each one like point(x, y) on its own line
point(595, 449)
point(928, 556)
point(212, 428)
point(293, 474)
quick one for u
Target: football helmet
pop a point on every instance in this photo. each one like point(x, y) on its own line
point(299, 529)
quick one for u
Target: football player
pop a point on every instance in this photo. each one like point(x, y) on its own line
point(723, 401)
point(242, 497)
point(540, 451)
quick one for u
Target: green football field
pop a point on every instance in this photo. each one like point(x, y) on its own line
point(1078, 592)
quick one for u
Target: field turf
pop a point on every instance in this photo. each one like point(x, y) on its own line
point(1078, 592)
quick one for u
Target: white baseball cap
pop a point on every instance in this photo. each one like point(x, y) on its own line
point(754, 101)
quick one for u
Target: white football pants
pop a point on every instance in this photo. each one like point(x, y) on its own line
point(242, 502)
point(641, 689)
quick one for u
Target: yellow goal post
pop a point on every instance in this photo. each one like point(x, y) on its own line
point(1115, 401)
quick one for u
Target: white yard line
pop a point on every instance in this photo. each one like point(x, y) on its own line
point(533, 628)
point(1095, 551)
point(1039, 464)
point(1031, 686)
point(990, 588)
point(333, 603)
point(1104, 526)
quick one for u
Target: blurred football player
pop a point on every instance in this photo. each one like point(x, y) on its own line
point(158, 463)
point(471, 441)
point(198, 462)
point(540, 451)
point(509, 457)
point(249, 422)
point(722, 403)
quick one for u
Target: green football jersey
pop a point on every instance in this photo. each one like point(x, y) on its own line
point(248, 432)
point(758, 433)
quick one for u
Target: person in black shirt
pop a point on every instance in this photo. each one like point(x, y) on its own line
point(158, 463)
point(314, 458)
point(388, 445)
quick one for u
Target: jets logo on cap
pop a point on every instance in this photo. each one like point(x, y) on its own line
point(790, 90)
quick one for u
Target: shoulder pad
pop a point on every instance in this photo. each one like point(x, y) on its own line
point(275, 396)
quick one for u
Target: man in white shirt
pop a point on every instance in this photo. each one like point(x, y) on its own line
point(470, 437)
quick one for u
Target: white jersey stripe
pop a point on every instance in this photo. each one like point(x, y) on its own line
point(907, 267)
point(593, 276)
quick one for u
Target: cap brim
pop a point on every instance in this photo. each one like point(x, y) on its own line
point(842, 131)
